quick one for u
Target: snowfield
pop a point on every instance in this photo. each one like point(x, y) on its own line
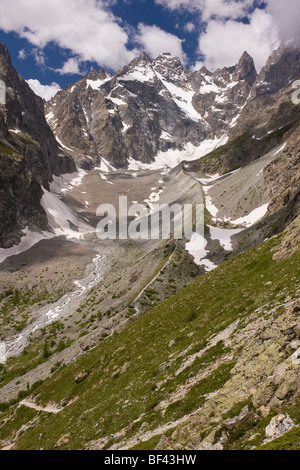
point(174, 157)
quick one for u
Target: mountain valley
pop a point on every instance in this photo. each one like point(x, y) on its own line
point(151, 344)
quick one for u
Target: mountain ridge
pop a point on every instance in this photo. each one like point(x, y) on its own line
point(153, 344)
point(177, 101)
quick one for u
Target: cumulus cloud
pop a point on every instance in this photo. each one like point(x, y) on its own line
point(286, 18)
point(210, 8)
point(86, 27)
point(223, 43)
point(22, 54)
point(225, 36)
point(189, 27)
point(156, 41)
point(44, 91)
point(180, 4)
point(70, 67)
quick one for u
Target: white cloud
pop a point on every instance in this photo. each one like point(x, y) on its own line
point(180, 4)
point(286, 18)
point(39, 57)
point(210, 8)
point(156, 41)
point(22, 54)
point(223, 43)
point(226, 37)
point(285, 13)
point(225, 9)
point(189, 27)
point(44, 91)
point(70, 67)
point(86, 27)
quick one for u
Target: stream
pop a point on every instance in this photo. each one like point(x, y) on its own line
point(62, 308)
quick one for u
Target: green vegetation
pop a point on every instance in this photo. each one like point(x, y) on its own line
point(5, 149)
point(290, 441)
point(133, 376)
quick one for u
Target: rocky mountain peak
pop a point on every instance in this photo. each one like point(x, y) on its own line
point(143, 60)
point(29, 155)
point(245, 69)
point(5, 60)
point(281, 69)
point(171, 69)
point(150, 105)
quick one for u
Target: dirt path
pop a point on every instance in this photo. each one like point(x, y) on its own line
point(47, 409)
point(144, 437)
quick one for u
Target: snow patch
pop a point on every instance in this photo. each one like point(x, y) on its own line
point(65, 183)
point(280, 149)
point(196, 248)
point(183, 98)
point(117, 101)
point(173, 157)
point(28, 240)
point(105, 166)
point(63, 145)
point(60, 216)
point(253, 217)
point(223, 236)
point(96, 84)
point(140, 74)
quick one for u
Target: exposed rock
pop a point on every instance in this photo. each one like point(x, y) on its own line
point(29, 156)
point(289, 245)
point(88, 344)
point(268, 284)
point(64, 403)
point(80, 377)
point(62, 441)
point(264, 372)
point(278, 426)
point(296, 357)
point(282, 67)
point(147, 107)
point(233, 421)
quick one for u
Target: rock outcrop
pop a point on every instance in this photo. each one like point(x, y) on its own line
point(29, 156)
point(147, 107)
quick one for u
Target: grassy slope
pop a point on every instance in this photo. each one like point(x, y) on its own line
point(133, 371)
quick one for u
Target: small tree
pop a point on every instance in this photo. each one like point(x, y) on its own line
point(46, 350)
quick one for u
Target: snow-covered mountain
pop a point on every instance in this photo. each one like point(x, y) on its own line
point(215, 366)
point(152, 113)
point(149, 109)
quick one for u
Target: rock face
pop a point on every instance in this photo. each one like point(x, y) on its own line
point(278, 426)
point(29, 156)
point(273, 382)
point(281, 69)
point(147, 107)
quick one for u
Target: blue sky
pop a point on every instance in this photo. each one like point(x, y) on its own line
point(53, 43)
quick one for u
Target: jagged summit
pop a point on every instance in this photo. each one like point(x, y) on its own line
point(215, 366)
point(281, 69)
point(149, 106)
point(245, 69)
